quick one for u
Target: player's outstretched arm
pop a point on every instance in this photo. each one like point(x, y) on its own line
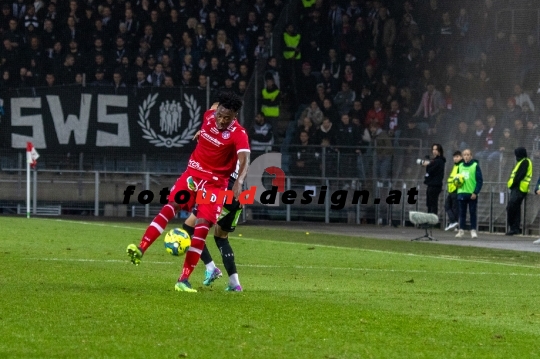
point(243, 160)
point(214, 106)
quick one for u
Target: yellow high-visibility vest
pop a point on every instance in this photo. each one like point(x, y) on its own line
point(308, 3)
point(291, 41)
point(451, 186)
point(270, 111)
point(524, 184)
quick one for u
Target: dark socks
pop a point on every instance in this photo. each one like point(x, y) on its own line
point(227, 254)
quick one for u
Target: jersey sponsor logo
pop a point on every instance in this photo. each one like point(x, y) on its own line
point(226, 135)
point(196, 165)
point(211, 139)
point(191, 184)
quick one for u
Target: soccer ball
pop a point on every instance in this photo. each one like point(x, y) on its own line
point(459, 180)
point(177, 242)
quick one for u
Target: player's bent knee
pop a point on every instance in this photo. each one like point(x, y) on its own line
point(204, 221)
point(175, 206)
point(190, 221)
point(219, 232)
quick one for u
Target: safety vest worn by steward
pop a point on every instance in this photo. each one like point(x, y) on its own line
point(291, 41)
point(308, 3)
point(270, 111)
point(524, 183)
point(469, 174)
point(451, 186)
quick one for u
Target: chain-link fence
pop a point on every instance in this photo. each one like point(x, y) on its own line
point(97, 141)
point(342, 187)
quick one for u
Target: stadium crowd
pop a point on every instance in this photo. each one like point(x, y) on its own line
point(384, 74)
point(166, 43)
point(374, 76)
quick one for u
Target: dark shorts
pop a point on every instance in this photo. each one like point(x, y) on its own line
point(228, 218)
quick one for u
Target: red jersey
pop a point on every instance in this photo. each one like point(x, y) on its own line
point(216, 154)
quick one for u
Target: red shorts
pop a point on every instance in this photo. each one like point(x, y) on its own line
point(190, 183)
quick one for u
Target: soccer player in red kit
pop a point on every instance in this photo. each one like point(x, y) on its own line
point(222, 143)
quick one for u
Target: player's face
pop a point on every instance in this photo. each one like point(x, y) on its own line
point(467, 156)
point(224, 117)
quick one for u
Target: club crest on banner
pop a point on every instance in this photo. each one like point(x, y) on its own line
point(170, 121)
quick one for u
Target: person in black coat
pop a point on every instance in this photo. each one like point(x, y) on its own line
point(434, 177)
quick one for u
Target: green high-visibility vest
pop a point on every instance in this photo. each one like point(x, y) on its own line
point(270, 111)
point(451, 186)
point(291, 41)
point(308, 3)
point(469, 174)
point(524, 184)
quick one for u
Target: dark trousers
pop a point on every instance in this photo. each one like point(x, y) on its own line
point(513, 208)
point(347, 165)
point(288, 74)
point(432, 198)
point(463, 204)
point(451, 206)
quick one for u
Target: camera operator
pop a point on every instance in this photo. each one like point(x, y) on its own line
point(434, 177)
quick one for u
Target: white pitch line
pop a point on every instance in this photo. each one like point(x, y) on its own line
point(322, 246)
point(300, 267)
point(391, 252)
point(91, 223)
point(91, 260)
point(390, 270)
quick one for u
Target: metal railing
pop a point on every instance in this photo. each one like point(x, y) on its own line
point(365, 163)
point(100, 193)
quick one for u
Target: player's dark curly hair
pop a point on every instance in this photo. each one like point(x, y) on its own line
point(230, 101)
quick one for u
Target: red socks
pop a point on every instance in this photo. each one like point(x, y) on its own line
point(194, 252)
point(198, 238)
point(157, 227)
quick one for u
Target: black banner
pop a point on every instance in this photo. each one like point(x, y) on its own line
point(100, 120)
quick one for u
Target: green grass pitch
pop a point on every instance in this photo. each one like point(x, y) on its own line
point(67, 290)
